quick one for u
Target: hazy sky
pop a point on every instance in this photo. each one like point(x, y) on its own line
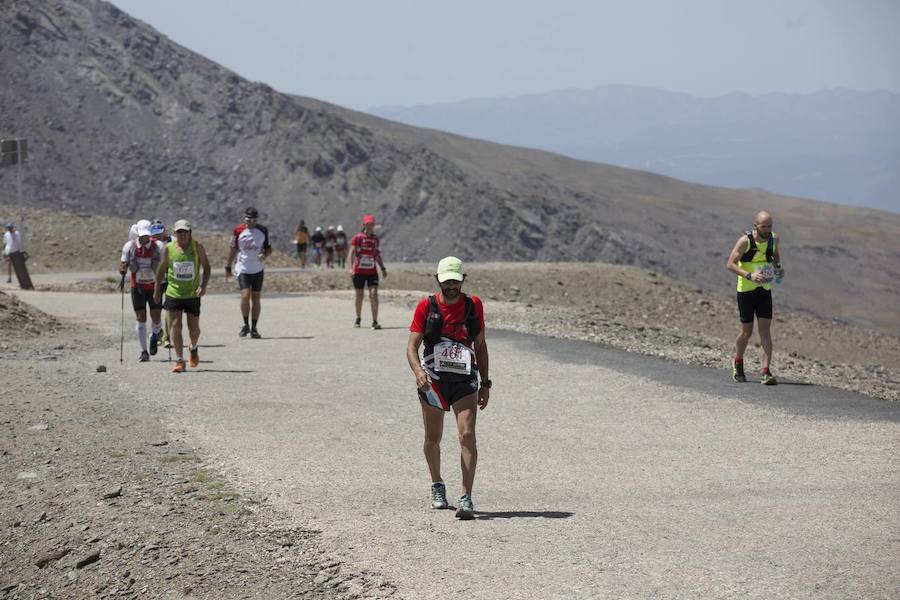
point(372, 52)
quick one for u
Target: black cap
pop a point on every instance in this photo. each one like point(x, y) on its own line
point(251, 213)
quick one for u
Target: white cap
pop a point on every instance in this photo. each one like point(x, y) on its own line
point(340, 228)
point(318, 229)
point(142, 231)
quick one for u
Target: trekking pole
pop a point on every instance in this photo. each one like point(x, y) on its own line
point(122, 327)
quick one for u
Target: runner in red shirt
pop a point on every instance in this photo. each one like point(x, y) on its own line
point(451, 325)
point(364, 255)
point(141, 256)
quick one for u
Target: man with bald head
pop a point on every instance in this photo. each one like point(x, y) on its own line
point(756, 260)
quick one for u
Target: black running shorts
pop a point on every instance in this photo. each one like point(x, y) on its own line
point(253, 281)
point(442, 394)
point(756, 302)
point(360, 281)
point(141, 298)
point(188, 305)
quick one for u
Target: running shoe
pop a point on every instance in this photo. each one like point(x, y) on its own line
point(144, 356)
point(154, 343)
point(194, 360)
point(358, 322)
point(179, 366)
point(244, 331)
point(375, 325)
point(737, 372)
point(466, 510)
point(255, 334)
point(768, 379)
point(439, 496)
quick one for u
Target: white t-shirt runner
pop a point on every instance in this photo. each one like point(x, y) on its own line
point(249, 243)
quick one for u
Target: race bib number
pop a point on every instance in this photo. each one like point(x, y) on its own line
point(366, 261)
point(452, 357)
point(144, 275)
point(767, 271)
point(184, 271)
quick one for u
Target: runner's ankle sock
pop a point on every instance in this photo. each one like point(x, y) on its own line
point(253, 327)
point(157, 327)
point(141, 329)
point(246, 319)
point(738, 360)
point(766, 371)
point(193, 348)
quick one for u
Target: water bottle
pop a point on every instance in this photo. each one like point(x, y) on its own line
point(778, 277)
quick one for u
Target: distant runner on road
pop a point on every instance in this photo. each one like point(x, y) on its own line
point(301, 238)
point(158, 234)
point(340, 248)
point(141, 257)
point(180, 265)
point(451, 324)
point(365, 253)
point(249, 248)
point(318, 245)
point(756, 260)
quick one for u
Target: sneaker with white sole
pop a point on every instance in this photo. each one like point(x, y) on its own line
point(466, 509)
point(439, 496)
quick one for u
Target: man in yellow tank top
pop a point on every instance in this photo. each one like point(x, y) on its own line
point(756, 260)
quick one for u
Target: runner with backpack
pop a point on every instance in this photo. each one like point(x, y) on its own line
point(451, 326)
point(756, 260)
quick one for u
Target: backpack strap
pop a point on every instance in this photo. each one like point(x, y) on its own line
point(434, 322)
point(751, 247)
point(473, 323)
point(770, 249)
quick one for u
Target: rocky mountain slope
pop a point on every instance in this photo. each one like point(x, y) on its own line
point(123, 122)
point(838, 144)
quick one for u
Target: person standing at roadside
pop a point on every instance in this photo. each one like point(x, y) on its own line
point(12, 243)
point(756, 260)
point(180, 265)
point(318, 244)
point(301, 238)
point(340, 248)
point(141, 257)
point(249, 248)
point(451, 325)
point(365, 254)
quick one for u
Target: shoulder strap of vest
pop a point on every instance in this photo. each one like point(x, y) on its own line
point(751, 247)
point(473, 323)
point(770, 249)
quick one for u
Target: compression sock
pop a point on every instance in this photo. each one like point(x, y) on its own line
point(253, 327)
point(141, 329)
point(246, 320)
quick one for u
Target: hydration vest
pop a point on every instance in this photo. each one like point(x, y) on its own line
point(434, 323)
point(751, 251)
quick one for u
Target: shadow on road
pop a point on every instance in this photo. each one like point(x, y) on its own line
point(288, 337)
point(513, 514)
point(220, 370)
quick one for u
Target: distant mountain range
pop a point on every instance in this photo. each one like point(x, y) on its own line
point(123, 122)
point(837, 145)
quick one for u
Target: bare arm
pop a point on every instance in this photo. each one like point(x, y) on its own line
point(412, 357)
point(350, 258)
point(161, 269)
point(734, 259)
point(204, 262)
point(232, 251)
point(481, 357)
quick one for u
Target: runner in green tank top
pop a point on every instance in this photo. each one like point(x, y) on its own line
point(756, 267)
point(180, 265)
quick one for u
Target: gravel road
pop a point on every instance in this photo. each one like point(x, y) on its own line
point(601, 474)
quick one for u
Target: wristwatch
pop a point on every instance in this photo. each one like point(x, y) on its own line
point(486, 384)
point(748, 276)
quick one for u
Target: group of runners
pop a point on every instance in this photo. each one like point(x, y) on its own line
point(452, 373)
point(329, 244)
